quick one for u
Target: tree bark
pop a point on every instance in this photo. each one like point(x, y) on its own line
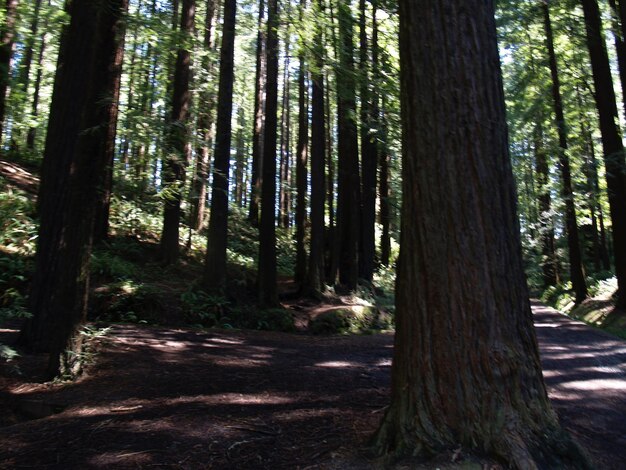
point(32, 131)
point(577, 273)
point(267, 275)
point(466, 369)
point(302, 157)
point(7, 36)
point(285, 152)
point(611, 140)
point(348, 166)
point(177, 160)
point(72, 172)
point(259, 118)
point(215, 266)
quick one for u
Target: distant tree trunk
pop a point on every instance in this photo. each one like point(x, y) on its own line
point(240, 158)
point(259, 118)
point(611, 140)
point(215, 266)
point(112, 41)
point(7, 35)
point(577, 273)
point(369, 162)
point(348, 166)
point(72, 171)
point(285, 154)
point(206, 107)
point(301, 163)
point(546, 226)
point(466, 370)
point(331, 238)
point(267, 276)
point(32, 131)
point(620, 47)
point(29, 51)
point(315, 276)
point(177, 160)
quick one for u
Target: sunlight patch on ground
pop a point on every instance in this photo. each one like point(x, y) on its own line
point(384, 363)
point(595, 385)
point(336, 364)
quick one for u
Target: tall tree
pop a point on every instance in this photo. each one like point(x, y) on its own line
point(466, 369)
point(316, 274)
point(7, 35)
point(73, 167)
point(369, 161)
point(285, 144)
point(259, 118)
point(348, 167)
point(302, 157)
point(206, 105)
point(32, 131)
point(577, 274)
point(215, 267)
point(267, 275)
point(611, 140)
point(177, 158)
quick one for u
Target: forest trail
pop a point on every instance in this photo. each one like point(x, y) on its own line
point(244, 399)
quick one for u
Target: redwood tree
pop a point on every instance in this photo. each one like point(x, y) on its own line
point(7, 34)
point(466, 369)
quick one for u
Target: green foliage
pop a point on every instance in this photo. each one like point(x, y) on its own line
point(130, 302)
point(353, 319)
point(203, 309)
point(18, 230)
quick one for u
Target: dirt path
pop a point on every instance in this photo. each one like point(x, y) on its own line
point(247, 400)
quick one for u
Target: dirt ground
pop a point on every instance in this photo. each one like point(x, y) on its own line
point(245, 400)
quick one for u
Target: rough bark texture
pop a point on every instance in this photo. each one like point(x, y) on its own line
point(267, 276)
point(215, 267)
point(316, 274)
point(302, 156)
point(206, 105)
point(466, 368)
point(611, 140)
point(177, 159)
point(259, 118)
point(348, 202)
point(7, 35)
point(72, 171)
point(577, 273)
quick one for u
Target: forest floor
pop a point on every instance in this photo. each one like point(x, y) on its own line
point(191, 399)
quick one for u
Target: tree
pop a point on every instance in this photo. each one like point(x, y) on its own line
point(267, 276)
point(215, 267)
point(577, 273)
point(72, 171)
point(7, 35)
point(611, 140)
point(466, 367)
point(177, 158)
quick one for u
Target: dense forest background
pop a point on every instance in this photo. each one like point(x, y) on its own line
point(195, 104)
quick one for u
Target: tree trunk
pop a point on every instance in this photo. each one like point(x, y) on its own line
point(259, 118)
point(7, 36)
point(285, 154)
point(369, 161)
point(240, 158)
point(316, 274)
point(466, 370)
point(348, 166)
point(267, 276)
point(577, 273)
point(215, 267)
point(206, 107)
point(177, 160)
point(611, 140)
point(72, 172)
point(32, 131)
point(301, 163)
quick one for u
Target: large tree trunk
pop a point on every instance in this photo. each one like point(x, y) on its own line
point(577, 274)
point(206, 105)
point(369, 161)
point(259, 118)
point(611, 140)
point(301, 163)
point(316, 274)
point(348, 166)
point(267, 276)
point(466, 370)
point(72, 172)
point(177, 160)
point(7, 35)
point(215, 267)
